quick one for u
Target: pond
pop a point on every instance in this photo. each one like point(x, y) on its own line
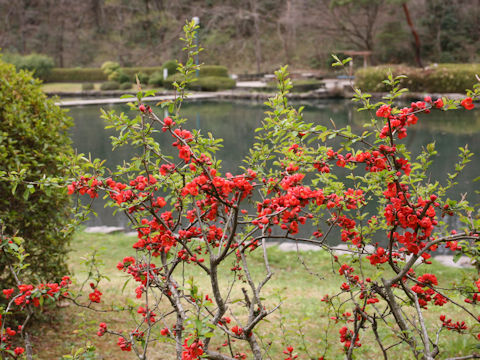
point(236, 121)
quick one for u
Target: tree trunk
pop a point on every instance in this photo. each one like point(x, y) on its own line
point(96, 9)
point(418, 59)
point(59, 48)
point(256, 24)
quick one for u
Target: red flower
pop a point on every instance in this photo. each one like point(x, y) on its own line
point(237, 330)
point(167, 123)
point(384, 111)
point(467, 103)
point(193, 351)
point(19, 350)
point(124, 344)
point(95, 296)
point(71, 189)
point(428, 279)
point(184, 153)
point(102, 329)
point(7, 292)
point(438, 103)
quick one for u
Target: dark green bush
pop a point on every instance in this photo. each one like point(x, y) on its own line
point(125, 86)
point(92, 74)
point(171, 66)
point(444, 78)
point(110, 85)
point(148, 70)
point(156, 79)
point(208, 83)
point(110, 68)
point(115, 73)
point(168, 83)
point(34, 142)
point(87, 86)
point(213, 70)
point(122, 77)
point(75, 75)
point(40, 65)
point(143, 77)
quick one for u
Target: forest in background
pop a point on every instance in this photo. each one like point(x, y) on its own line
point(245, 35)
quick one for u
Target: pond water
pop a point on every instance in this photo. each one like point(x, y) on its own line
point(235, 122)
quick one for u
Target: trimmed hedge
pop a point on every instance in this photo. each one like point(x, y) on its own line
point(171, 66)
point(75, 75)
point(213, 70)
point(444, 78)
point(214, 83)
point(92, 74)
point(125, 86)
point(147, 70)
point(206, 83)
point(97, 74)
point(110, 85)
point(143, 77)
point(156, 79)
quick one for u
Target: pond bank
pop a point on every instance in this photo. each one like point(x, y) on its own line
point(246, 95)
point(247, 90)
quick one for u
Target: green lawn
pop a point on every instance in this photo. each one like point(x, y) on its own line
point(65, 87)
point(73, 87)
point(301, 321)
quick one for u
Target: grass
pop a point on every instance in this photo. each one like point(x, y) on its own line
point(73, 87)
point(301, 321)
point(66, 87)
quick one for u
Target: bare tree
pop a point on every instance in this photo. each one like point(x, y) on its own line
point(353, 20)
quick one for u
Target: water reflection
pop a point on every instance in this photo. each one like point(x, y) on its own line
point(235, 122)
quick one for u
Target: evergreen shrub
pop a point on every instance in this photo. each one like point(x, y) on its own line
point(125, 86)
point(207, 83)
point(213, 70)
point(110, 85)
point(41, 65)
point(34, 144)
point(75, 75)
point(143, 77)
point(171, 66)
point(156, 79)
point(443, 78)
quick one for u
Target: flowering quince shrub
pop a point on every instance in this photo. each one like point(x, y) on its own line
point(23, 299)
point(188, 215)
point(301, 182)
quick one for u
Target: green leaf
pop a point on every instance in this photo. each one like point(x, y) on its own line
point(457, 257)
point(125, 284)
point(14, 187)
